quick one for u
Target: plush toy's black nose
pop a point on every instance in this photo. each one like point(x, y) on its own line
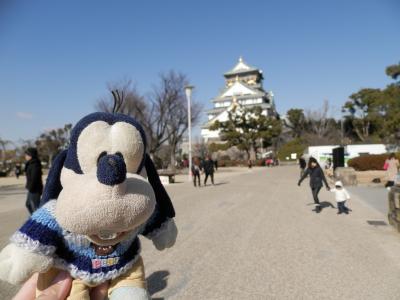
point(111, 169)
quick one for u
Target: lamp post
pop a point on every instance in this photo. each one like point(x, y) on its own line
point(342, 128)
point(188, 91)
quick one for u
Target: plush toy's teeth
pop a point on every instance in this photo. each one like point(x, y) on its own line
point(106, 235)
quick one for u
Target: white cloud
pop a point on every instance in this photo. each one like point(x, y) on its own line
point(24, 115)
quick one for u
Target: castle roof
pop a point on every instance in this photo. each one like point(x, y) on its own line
point(242, 67)
point(239, 90)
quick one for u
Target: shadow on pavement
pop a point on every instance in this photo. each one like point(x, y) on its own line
point(218, 183)
point(157, 281)
point(322, 205)
point(325, 204)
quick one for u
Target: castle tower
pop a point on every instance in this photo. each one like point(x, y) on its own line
point(244, 87)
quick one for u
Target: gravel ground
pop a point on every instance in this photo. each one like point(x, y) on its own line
point(254, 236)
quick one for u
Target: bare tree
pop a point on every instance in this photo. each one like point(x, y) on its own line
point(318, 120)
point(3, 145)
point(171, 95)
point(321, 127)
point(163, 114)
point(150, 113)
point(200, 148)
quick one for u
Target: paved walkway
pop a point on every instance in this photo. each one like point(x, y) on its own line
point(254, 236)
point(375, 196)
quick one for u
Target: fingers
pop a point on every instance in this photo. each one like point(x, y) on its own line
point(28, 290)
point(59, 289)
point(99, 292)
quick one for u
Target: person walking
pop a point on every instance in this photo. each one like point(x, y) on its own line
point(317, 177)
point(303, 165)
point(249, 163)
point(392, 168)
point(341, 196)
point(196, 168)
point(17, 170)
point(208, 167)
point(34, 184)
point(269, 162)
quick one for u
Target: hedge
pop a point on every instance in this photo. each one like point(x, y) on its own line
point(369, 162)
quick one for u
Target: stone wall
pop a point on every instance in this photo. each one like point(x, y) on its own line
point(346, 175)
point(367, 177)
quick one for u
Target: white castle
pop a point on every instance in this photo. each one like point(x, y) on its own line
point(244, 88)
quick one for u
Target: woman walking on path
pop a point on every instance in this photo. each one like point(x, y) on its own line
point(392, 168)
point(196, 171)
point(317, 176)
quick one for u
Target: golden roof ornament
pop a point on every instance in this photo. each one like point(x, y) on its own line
point(234, 101)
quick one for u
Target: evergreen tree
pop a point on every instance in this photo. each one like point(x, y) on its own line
point(247, 127)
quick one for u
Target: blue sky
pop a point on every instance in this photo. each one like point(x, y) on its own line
point(57, 56)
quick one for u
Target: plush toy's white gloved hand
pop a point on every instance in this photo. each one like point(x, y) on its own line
point(18, 264)
point(165, 237)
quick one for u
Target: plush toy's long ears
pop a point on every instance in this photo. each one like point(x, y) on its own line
point(164, 209)
point(53, 185)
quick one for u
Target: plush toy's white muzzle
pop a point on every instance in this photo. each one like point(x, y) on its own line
point(102, 210)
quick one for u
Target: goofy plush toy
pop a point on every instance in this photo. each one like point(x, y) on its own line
point(97, 201)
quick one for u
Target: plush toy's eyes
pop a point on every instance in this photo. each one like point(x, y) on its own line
point(100, 138)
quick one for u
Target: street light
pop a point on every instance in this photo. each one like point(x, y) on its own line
point(188, 91)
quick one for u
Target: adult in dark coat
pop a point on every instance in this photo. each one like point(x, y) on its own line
point(196, 169)
point(317, 176)
point(208, 167)
point(303, 165)
point(34, 184)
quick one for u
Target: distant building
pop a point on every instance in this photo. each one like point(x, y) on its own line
point(243, 88)
point(323, 153)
